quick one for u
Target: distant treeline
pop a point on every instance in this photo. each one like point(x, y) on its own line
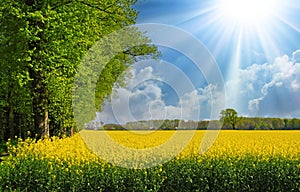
point(255, 123)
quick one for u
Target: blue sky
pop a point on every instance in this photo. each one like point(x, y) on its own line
point(256, 46)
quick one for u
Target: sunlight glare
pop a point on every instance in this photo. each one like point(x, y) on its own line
point(248, 12)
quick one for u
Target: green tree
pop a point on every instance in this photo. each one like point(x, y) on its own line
point(230, 116)
point(294, 123)
point(277, 123)
point(286, 123)
point(42, 44)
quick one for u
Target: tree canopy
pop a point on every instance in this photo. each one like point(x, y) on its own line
point(42, 43)
point(230, 116)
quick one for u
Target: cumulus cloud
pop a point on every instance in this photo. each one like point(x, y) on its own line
point(272, 89)
point(143, 99)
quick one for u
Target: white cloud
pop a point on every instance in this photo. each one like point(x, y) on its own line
point(271, 89)
point(296, 56)
point(143, 99)
point(295, 85)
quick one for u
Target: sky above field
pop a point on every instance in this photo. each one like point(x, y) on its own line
point(255, 44)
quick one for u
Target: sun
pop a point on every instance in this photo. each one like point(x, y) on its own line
point(248, 12)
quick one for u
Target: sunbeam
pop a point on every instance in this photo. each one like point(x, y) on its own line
point(234, 86)
point(245, 25)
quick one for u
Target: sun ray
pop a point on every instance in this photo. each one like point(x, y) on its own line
point(290, 24)
point(233, 74)
point(270, 47)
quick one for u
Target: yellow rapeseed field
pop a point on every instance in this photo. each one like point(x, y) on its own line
point(157, 146)
point(155, 161)
point(68, 149)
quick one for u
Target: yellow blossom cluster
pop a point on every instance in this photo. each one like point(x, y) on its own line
point(68, 149)
point(119, 147)
point(255, 143)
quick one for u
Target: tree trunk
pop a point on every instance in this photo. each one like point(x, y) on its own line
point(11, 121)
point(10, 112)
point(40, 105)
point(39, 85)
point(233, 126)
point(2, 127)
point(41, 121)
point(71, 131)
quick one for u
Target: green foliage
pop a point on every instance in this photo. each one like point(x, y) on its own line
point(222, 174)
point(230, 116)
point(292, 123)
point(42, 44)
point(103, 67)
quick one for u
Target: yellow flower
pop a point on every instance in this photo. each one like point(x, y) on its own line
point(70, 151)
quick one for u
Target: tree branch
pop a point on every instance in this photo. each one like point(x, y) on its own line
point(96, 7)
point(61, 4)
point(105, 10)
point(128, 52)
